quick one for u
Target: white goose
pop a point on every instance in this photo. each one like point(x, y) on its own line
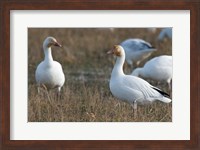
point(165, 33)
point(136, 50)
point(49, 72)
point(152, 30)
point(130, 88)
point(158, 69)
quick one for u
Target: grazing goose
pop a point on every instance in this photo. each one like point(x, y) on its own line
point(165, 33)
point(49, 73)
point(158, 69)
point(130, 88)
point(136, 50)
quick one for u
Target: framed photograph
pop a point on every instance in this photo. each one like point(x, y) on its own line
point(99, 75)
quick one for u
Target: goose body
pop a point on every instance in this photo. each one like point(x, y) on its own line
point(130, 88)
point(136, 50)
point(158, 69)
point(49, 72)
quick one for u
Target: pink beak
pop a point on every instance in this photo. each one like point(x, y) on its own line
point(57, 44)
point(110, 52)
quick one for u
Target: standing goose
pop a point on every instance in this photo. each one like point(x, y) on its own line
point(49, 72)
point(136, 50)
point(158, 69)
point(165, 33)
point(130, 88)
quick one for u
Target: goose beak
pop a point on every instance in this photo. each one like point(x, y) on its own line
point(57, 44)
point(110, 52)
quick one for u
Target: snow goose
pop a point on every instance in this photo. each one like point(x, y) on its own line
point(165, 33)
point(130, 88)
point(136, 50)
point(158, 69)
point(49, 73)
point(152, 30)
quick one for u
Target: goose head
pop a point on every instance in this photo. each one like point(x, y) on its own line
point(137, 72)
point(117, 50)
point(51, 41)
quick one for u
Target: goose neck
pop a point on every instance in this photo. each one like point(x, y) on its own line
point(118, 68)
point(48, 54)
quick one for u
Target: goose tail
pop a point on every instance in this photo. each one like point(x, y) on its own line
point(166, 100)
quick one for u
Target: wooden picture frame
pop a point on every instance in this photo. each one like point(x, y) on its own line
point(7, 5)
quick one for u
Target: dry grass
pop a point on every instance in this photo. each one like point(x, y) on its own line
point(86, 95)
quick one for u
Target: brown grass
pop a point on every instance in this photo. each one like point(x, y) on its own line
point(85, 94)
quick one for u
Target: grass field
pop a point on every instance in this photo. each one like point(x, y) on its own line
point(85, 95)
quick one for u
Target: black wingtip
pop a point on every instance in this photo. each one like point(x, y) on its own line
point(161, 92)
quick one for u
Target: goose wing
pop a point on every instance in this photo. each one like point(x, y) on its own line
point(136, 45)
point(149, 92)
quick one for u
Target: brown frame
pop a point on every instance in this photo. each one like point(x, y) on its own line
point(192, 5)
